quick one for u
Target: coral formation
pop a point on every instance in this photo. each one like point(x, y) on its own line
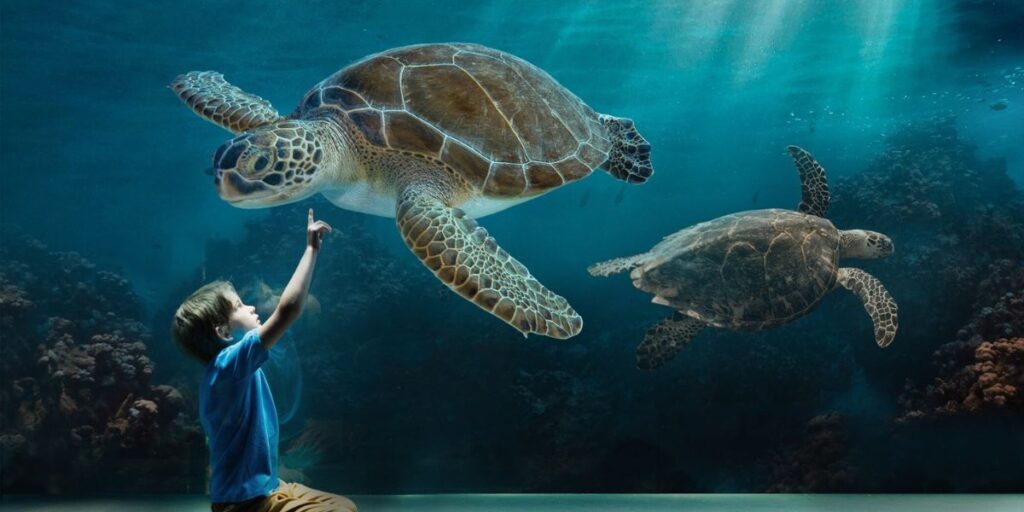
point(982, 371)
point(949, 212)
point(990, 380)
point(78, 404)
point(958, 225)
point(999, 304)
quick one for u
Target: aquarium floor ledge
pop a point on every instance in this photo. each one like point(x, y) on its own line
point(564, 502)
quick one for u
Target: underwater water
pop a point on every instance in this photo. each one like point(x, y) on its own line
point(392, 384)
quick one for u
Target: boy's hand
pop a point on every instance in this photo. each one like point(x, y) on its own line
point(315, 230)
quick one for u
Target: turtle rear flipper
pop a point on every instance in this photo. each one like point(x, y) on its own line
point(227, 106)
point(607, 268)
point(630, 155)
point(462, 255)
point(877, 301)
point(813, 183)
point(664, 339)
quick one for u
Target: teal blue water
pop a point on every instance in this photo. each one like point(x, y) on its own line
point(718, 87)
point(394, 385)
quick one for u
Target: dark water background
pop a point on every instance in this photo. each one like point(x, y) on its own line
point(404, 387)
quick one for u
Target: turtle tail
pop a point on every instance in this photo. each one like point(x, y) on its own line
point(630, 156)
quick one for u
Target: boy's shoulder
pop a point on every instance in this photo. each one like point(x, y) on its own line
point(239, 359)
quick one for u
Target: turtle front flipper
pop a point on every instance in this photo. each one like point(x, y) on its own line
point(813, 183)
point(227, 106)
point(877, 301)
point(462, 255)
point(664, 339)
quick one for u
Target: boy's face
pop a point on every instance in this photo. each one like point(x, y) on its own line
point(243, 318)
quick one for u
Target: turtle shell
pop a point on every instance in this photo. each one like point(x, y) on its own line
point(750, 270)
point(506, 126)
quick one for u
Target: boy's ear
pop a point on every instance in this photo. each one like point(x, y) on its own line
point(224, 332)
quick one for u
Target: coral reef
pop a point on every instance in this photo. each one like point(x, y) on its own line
point(818, 462)
point(951, 215)
point(982, 371)
point(1000, 371)
point(78, 404)
point(958, 225)
point(949, 212)
point(999, 304)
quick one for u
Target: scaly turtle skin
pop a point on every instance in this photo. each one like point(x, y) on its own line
point(755, 270)
point(432, 135)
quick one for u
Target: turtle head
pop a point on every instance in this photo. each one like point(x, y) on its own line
point(275, 164)
point(859, 243)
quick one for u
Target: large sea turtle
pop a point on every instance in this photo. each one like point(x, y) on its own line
point(755, 270)
point(434, 135)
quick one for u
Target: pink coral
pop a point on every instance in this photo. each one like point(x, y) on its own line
point(976, 375)
point(991, 381)
point(1000, 371)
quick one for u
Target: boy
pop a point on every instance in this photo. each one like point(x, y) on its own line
point(235, 405)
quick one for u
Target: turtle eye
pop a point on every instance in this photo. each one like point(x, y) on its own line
point(256, 161)
point(260, 163)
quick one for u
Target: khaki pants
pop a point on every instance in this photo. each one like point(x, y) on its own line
point(291, 498)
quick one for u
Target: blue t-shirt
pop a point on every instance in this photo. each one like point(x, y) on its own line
point(237, 412)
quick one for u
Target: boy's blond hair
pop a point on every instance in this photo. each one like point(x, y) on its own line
point(195, 323)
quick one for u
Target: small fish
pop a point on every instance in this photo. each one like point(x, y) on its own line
point(585, 199)
point(209, 171)
point(757, 193)
point(1000, 105)
point(620, 196)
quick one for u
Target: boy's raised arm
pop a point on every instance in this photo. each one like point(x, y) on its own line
point(294, 295)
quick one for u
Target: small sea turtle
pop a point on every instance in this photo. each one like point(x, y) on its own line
point(755, 270)
point(433, 135)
